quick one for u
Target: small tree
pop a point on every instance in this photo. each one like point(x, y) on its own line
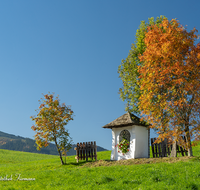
point(50, 122)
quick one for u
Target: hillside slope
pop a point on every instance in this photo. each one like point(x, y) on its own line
point(12, 142)
point(22, 170)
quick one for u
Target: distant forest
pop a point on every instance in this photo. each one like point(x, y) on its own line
point(12, 142)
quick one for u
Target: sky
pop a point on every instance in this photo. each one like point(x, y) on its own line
point(73, 48)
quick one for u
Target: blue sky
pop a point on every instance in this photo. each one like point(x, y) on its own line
point(72, 48)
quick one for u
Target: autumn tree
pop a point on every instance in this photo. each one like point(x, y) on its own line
point(50, 124)
point(128, 70)
point(169, 80)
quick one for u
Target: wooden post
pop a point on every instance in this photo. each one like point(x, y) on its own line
point(95, 150)
point(162, 149)
point(159, 150)
point(92, 150)
point(89, 147)
point(152, 147)
point(77, 152)
point(164, 145)
point(83, 151)
point(182, 151)
point(86, 151)
point(156, 148)
point(168, 150)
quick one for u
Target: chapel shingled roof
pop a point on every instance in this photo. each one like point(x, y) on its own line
point(125, 120)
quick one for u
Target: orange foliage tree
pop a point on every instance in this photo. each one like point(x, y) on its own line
point(50, 122)
point(170, 82)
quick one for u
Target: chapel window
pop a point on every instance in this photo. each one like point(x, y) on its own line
point(125, 134)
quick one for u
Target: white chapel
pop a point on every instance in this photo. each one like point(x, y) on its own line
point(130, 127)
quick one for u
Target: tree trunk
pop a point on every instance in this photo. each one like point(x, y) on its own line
point(174, 152)
point(188, 141)
point(187, 130)
point(190, 153)
point(59, 152)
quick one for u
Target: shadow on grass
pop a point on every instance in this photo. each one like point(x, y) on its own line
point(80, 163)
point(192, 186)
point(89, 162)
point(104, 179)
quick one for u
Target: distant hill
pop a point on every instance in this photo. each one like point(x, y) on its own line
point(12, 142)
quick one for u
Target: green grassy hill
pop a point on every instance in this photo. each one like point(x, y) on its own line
point(21, 170)
point(12, 142)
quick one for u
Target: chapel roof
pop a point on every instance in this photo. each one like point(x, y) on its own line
point(125, 120)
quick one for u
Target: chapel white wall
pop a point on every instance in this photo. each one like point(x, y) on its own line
point(138, 143)
point(141, 144)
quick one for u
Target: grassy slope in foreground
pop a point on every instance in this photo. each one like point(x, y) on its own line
point(50, 174)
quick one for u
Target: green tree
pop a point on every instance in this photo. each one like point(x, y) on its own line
point(128, 70)
point(49, 124)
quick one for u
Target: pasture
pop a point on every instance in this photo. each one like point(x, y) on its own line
point(22, 170)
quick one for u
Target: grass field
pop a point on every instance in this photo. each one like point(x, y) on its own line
point(21, 170)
